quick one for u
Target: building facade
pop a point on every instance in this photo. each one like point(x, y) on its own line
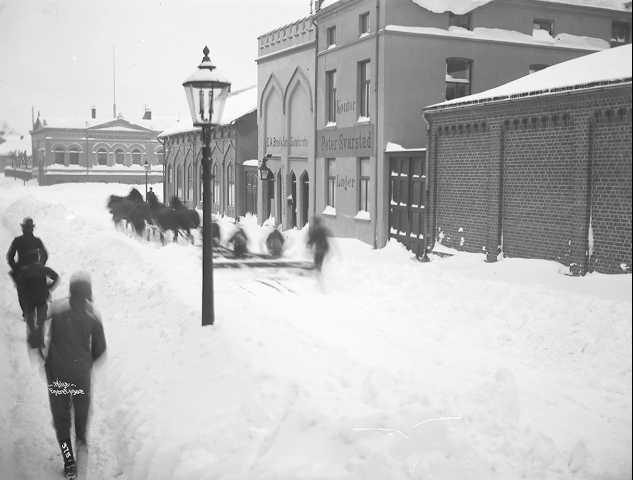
point(15, 156)
point(377, 63)
point(539, 168)
point(233, 159)
point(95, 150)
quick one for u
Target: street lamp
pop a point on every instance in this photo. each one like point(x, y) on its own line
point(147, 167)
point(204, 88)
point(264, 171)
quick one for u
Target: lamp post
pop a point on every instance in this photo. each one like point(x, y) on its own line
point(204, 88)
point(147, 167)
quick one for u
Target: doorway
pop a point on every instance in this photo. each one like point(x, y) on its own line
point(305, 197)
point(292, 201)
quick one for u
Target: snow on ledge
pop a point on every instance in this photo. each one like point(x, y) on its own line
point(363, 215)
point(395, 147)
point(508, 36)
point(459, 7)
point(331, 211)
point(251, 163)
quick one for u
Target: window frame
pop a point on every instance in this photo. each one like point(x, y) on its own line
point(136, 153)
point(116, 156)
point(363, 182)
point(540, 22)
point(74, 154)
point(102, 152)
point(230, 182)
point(330, 36)
point(330, 182)
point(457, 81)
point(454, 20)
point(330, 94)
point(627, 37)
point(364, 24)
point(363, 86)
point(60, 150)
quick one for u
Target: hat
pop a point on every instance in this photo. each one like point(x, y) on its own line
point(80, 286)
point(27, 222)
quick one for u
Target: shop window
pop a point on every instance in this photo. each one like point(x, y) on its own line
point(330, 35)
point(458, 75)
point(73, 156)
point(216, 186)
point(363, 23)
point(462, 21)
point(102, 156)
point(363, 184)
point(331, 182)
point(119, 157)
point(60, 154)
point(364, 88)
point(136, 157)
point(542, 28)
point(179, 184)
point(330, 85)
point(620, 33)
point(535, 67)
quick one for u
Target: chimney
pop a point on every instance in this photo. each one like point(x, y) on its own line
point(148, 113)
point(93, 112)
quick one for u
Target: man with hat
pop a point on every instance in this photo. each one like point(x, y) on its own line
point(29, 249)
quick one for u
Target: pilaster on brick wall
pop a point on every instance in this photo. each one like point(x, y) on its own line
point(495, 193)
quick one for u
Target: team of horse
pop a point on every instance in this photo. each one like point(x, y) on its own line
point(149, 217)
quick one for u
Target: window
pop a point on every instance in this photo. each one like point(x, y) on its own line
point(620, 33)
point(216, 186)
point(537, 66)
point(231, 184)
point(462, 21)
point(363, 184)
point(189, 191)
point(119, 157)
point(331, 182)
point(60, 154)
point(364, 88)
point(73, 156)
point(542, 28)
point(363, 24)
point(330, 86)
point(330, 37)
point(170, 176)
point(179, 181)
point(458, 71)
point(102, 156)
point(136, 157)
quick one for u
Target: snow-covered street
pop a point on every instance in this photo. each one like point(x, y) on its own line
point(386, 369)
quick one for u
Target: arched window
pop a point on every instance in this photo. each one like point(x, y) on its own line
point(179, 181)
point(60, 153)
point(216, 185)
point(136, 156)
point(230, 177)
point(190, 182)
point(102, 156)
point(119, 156)
point(73, 155)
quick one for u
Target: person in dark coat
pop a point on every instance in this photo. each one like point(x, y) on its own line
point(75, 340)
point(318, 240)
point(151, 197)
point(239, 241)
point(37, 281)
point(28, 249)
point(215, 233)
point(275, 243)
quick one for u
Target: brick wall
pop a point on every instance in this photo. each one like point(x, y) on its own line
point(528, 174)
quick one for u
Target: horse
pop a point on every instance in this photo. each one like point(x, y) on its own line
point(131, 208)
point(186, 218)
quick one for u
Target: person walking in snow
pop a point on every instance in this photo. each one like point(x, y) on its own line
point(36, 289)
point(151, 197)
point(28, 249)
point(275, 243)
point(74, 341)
point(239, 241)
point(318, 240)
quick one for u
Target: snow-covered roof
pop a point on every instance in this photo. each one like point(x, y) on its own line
point(237, 104)
point(606, 67)
point(619, 5)
point(14, 143)
point(563, 40)
point(461, 7)
point(156, 123)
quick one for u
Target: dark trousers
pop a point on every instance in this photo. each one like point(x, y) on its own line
point(61, 404)
point(319, 256)
point(33, 312)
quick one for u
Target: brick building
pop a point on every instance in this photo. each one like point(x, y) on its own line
point(346, 87)
point(539, 167)
point(233, 158)
point(97, 150)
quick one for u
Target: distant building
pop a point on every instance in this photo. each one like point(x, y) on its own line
point(233, 158)
point(98, 150)
point(15, 155)
point(341, 95)
point(539, 167)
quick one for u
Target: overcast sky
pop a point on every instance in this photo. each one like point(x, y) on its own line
point(57, 55)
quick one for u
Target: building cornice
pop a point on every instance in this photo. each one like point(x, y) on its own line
point(285, 51)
